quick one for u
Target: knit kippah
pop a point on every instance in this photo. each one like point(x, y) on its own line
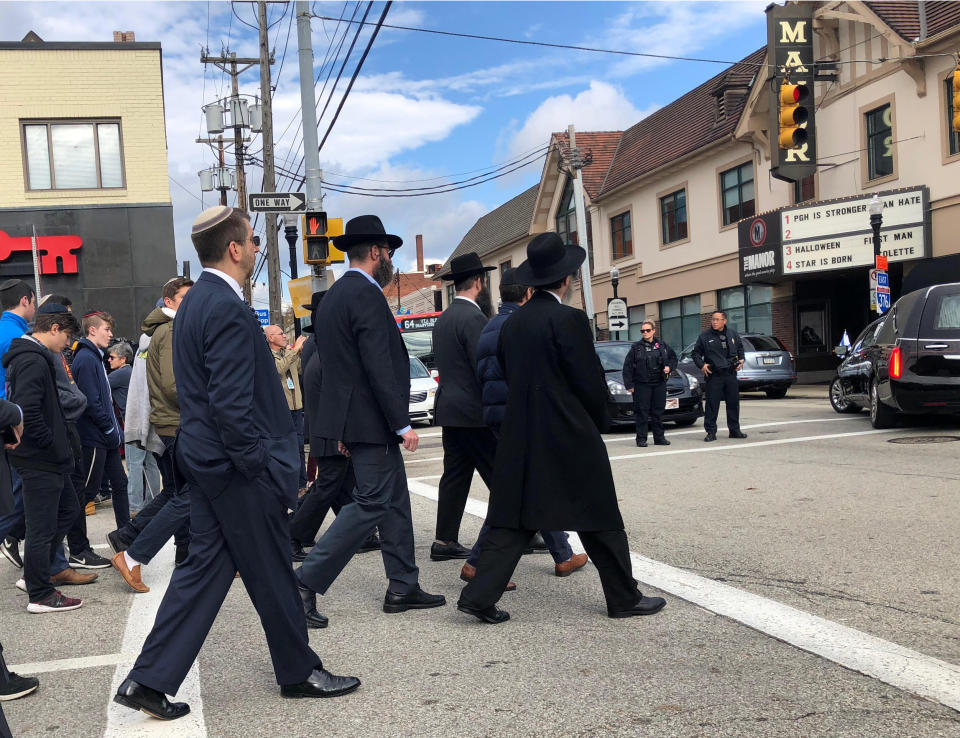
point(209, 218)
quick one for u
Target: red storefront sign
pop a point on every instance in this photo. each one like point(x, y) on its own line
point(49, 249)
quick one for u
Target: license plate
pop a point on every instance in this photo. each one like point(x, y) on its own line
point(673, 404)
point(769, 361)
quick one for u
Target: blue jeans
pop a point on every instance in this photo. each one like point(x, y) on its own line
point(14, 524)
point(139, 463)
point(169, 519)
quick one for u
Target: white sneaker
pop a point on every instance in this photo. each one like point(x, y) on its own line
point(22, 584)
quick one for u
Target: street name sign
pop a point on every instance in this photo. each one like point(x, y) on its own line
point(277, 202)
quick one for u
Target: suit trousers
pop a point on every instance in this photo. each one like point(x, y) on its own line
point(333, 488)
point(649, 401)
point(608, 549)
point(297, 416)
point(50, 506)
point(722, 386)
point(464, 450)
point(381, 500)
point(243, 529)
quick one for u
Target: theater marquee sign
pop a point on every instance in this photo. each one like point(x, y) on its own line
point(835, 234)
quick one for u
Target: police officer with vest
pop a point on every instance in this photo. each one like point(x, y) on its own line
point(646, 370)
point(719, 353)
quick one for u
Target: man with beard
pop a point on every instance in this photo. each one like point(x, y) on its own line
point(364, 400)
point(468, 444)
point(237, 449)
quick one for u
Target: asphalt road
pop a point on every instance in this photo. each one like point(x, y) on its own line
point(810, 573)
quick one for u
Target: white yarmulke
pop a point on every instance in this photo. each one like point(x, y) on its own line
point(210, 218)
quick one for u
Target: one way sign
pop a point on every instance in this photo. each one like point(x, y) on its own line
point(277, 202)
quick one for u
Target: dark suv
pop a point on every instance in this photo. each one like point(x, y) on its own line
point(906, 362)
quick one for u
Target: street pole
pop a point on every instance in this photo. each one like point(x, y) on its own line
point(396, 278)
point(615, 282)
point(308, 107)
point(223, 190)
point(269, 182)
point(290, 233)
point(582, 238)
point(876, 221)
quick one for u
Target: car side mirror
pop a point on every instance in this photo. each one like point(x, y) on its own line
point(841, 351)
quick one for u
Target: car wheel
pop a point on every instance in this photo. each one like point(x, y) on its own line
point(776, 394)
point(881, 416)
point(838, 399)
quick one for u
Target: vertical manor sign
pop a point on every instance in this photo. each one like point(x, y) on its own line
point(790, 50)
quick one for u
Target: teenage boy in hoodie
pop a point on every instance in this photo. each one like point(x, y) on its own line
point(44, 458)
point(99, 430)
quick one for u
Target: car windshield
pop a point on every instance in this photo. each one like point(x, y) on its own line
point(612, 356)
point(763, 343)
point(417, 369)
point(419, 343)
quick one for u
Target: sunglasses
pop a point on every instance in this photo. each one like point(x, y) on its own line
point(390, 252)
point(646, 330)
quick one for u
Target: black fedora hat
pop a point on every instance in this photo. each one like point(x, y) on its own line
point(465, 265)
point(549, 261)
point(315, 299)
point(509, 277)
point(365, 229)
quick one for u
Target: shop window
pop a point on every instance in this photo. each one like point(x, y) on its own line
point(673, 217)
point(879, 124)
point(70, 155)
point(804, 189)
point(680, 321)
point(953, 143)
point(621, 236)
point(736, 186)
point(636, 316)
point(748, 308)
point(567, 216)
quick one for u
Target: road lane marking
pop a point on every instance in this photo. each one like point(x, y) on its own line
point(122, 722)
point(700, 431)
point(85, 662)
point(886, 661)
point(422, 461)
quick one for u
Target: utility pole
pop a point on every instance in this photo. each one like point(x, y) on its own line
point(223, 190)
point(311, 147)
point(584, 241)
point(269, 182)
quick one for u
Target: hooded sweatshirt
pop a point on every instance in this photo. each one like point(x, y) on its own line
point(164, 405)
point(32, 378)
point(137, 428)
point(11, 326)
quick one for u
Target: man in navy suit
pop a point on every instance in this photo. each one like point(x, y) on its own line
point(236, 449)
point(364, 403)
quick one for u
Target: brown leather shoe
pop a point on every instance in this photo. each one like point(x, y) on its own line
point(131, 577)
point(566, 568)
point(90, 509)
point(468, 572)
point(72, 576)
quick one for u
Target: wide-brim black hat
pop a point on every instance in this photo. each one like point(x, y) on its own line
point(315, 299)
point(549, 261)
point(365, 229)
point(465, 265)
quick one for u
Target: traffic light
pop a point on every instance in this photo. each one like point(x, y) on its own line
point(956, 99)
point(794, 113)
point(316, 244)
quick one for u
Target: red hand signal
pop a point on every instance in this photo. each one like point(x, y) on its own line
point(314, 225)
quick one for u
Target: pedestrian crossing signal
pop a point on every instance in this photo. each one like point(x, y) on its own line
point(316, 243)
point(794, 114)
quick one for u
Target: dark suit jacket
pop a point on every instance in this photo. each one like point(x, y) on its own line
point(455, 337)
point(312, 384)
point(551, 470)
point(234, 420)
point(365, 392)
point(9, 416)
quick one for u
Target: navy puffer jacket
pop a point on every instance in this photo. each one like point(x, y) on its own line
point(492, 382)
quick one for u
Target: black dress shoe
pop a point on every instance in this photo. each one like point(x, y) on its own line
point(536, 545)
point(296, 551)
point(737, 434)
point(710, 437)
point(416, 600)
point(641, 444)
point(644, 606)
point(492, 614)
point(371, 544)
point(661, 442)
point(447, 551)
point(155, 704)
point(321, 683)
point(309, 600)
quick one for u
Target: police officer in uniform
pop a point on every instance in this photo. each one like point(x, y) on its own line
point(719, 353)
point(646, 370)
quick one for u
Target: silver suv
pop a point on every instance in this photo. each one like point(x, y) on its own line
point(768, 366)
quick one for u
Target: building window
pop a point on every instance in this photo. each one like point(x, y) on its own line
point(636, 316)
point(567, 216)
point(621, 236)
point(748, 308)
point(71, 155)
point(736, 186)
point(451, 293)
point(673, 216)
point(880, 142)
point(804, 189)
point(680, 321)
point(953, 145)
point(504, 266)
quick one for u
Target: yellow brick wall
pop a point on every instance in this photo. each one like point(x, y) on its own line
point(124, 84)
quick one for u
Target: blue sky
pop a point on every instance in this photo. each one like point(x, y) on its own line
point(424, 105)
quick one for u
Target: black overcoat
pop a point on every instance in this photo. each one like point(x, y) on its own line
point(552, 471)
point(10, 416)
point(455, 337)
